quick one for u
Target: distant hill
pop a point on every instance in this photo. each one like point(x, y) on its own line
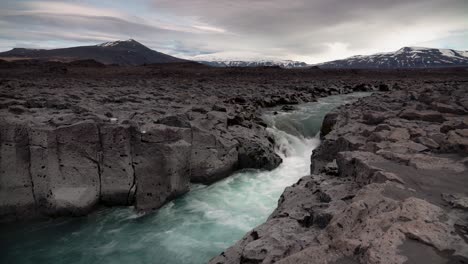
point(407, 57)
point(128, 52)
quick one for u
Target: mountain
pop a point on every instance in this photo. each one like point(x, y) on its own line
point(255, 63)
point(128, 52)
point(407, 57)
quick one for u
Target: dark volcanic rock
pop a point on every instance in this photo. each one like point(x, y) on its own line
point(288, 108)
point(430, 116)
point(328, 123)
point(132, 135)
point(253, 155)
point(384, 189)
point(139, 135)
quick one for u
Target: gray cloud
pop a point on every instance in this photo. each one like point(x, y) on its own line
point(311, 30)
point(297, 25)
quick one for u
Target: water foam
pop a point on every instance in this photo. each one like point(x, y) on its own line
point(190, 229)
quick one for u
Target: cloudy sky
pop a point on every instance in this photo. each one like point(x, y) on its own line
point(307, 30)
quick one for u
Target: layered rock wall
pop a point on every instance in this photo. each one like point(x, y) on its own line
point(68, 170)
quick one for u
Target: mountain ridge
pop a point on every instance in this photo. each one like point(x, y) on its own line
point(132, 52)
point(126, 52)
point(406, 57)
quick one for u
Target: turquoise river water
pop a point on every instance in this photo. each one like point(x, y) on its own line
point(191, 229)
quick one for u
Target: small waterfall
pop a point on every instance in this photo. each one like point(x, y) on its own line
point(288, 145)
point(191, 229)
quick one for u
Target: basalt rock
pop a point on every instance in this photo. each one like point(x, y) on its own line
point(427, 115)
point(256, 148)
point(17, 197)
point(117, 166)
point(71, 142)
point(162, 165)
point(328, 123)
point(214, 150)
point(383, 189)
point(65, 168)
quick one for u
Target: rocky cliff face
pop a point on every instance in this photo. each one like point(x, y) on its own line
point(389, 184)
point(83, 136)
point(69, 169)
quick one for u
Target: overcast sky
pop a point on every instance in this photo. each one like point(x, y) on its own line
point(306, 30)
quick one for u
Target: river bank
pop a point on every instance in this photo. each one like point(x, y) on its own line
point(389, 185)
point(74, 137)
point(190, 229)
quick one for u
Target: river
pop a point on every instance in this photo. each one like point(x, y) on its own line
point(191, 229)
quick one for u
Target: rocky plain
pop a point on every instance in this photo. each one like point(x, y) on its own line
point(388, 184)
point(78, 135)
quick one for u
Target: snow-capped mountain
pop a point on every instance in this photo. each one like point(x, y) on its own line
point(255, 63)
point(244, 59)
point(407, 57)
point(127, 52)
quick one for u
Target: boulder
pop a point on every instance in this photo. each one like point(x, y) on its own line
point(254, 155)
point(428, 142)
point(454, 124)
point(219, 108)
point(162, 164)
point(358, 165)
point(374, 118)
point(464, 103)
point(379, 136)
point(457, 141)
point(117, 173)
point(446, 108)
point(439, 138)
point(427, 162)
point(398, 134)
point(214, 150)
point(328, 123)
point(256, 148)
point(456, 200)
point(423, 115)
point(330, 147)
point(402, 147)
point(17, 109)
point(16, 189)
point(384, 87)
point(175, 121)
point(213, 157)
point(383, 176)
point(288, 108)
point(65, 168)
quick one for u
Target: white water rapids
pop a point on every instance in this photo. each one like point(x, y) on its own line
point(191, 229)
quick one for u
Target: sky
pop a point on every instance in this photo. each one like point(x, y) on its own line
point(312, 31)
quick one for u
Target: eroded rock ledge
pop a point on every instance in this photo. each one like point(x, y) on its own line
point(389, 185)
point(137, 136)
point(69, 169)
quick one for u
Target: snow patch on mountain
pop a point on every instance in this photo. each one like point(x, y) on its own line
point(258, 63)
point(406, 57)
point(117, 43)
point(244, 59)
